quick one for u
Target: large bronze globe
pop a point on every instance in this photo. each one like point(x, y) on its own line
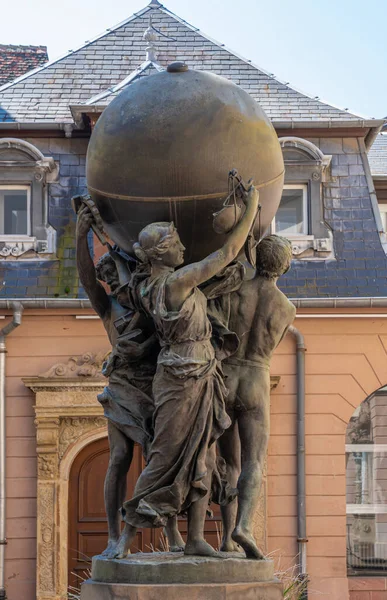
point(162, 151)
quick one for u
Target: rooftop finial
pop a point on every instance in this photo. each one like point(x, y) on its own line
point(154, 4)
point(150, 36)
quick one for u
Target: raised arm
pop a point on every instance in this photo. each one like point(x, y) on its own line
point(87, 275)
point(185, 279)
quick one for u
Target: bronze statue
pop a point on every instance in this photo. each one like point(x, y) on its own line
point(127, 399)
point(260, 315)
point(188, 387)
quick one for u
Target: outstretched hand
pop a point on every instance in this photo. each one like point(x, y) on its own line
point(252, 195)
point(84, 221)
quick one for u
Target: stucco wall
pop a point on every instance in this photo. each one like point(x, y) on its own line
point(42, 340)
point(345, 362)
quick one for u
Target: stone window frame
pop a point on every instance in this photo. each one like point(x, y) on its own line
point(25, 165)
point(308, 165)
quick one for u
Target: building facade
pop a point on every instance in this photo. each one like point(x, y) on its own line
point(332, 210)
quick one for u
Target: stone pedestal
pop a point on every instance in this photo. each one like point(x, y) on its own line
point(168, 576)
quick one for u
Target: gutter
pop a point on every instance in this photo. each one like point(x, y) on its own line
point(79, 303)
point(372, 135)
point(376, 124)
point(4, 332)
point(301, 505)
point(350, 302)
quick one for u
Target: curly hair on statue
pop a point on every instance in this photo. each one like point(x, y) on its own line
point(106, 269)
point(274, 255)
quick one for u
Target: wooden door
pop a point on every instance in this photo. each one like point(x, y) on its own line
point(88, 531)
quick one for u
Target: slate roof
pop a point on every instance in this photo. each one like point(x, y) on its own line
point(104, 98)
point(377, 156)
point(44, 96)
point(17, 60)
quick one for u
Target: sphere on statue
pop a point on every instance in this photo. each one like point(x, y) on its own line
point(162, 151)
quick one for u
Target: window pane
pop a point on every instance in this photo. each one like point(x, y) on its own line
point(383, 215)
point(290, 215)
point(14, 205)
point(366, 482)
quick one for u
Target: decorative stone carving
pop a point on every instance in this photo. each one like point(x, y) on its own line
point(87, 365)
point(72, 428)
point(46, 551)
point(47, 466)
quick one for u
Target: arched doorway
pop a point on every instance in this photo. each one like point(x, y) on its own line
point(87, 535)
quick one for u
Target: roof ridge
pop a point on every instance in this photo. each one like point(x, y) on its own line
point(162, 8)
point(124, 82)
point(71, 52)
point(17, 46)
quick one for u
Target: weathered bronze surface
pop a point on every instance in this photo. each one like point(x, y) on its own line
point(260, 314)
point(158, 164)
point(127, 399)
point(161, 151)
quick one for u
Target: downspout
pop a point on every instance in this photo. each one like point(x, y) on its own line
point(301, 505)
point(6, 330)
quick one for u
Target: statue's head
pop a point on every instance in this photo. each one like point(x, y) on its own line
point(160, 243)
point(106, 271)
point(274, 256)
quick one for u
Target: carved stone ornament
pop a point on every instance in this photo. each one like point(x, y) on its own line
point(73, 428)
point(45, 541)
point(87, 365)
point(47, 466)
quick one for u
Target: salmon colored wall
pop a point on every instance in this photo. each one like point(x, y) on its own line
point(40, 342)
point(345, 362)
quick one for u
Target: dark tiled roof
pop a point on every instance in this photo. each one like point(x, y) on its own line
point(105, 97)
point(377, 156)
point(18, 60)
point(45, 96)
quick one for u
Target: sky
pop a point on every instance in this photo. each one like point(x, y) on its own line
point(335, 49)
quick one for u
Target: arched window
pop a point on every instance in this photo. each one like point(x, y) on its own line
point(300, 216)
point(366, 487)
point(24, 174)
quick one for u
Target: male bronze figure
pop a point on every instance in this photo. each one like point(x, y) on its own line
point(260, 314)
point(127, 399)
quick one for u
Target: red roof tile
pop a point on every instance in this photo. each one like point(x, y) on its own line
point(17, 60)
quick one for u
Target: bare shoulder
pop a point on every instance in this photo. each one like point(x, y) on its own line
point(284, 302)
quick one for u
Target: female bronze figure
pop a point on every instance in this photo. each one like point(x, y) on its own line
point(188, 387)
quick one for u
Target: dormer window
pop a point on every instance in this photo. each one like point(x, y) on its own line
point(300, 216)
point(24, 175)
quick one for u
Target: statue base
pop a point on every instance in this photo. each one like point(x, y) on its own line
point(268, 590)
point(174, 576)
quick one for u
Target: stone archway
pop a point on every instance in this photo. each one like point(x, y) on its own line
point(68, 418)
